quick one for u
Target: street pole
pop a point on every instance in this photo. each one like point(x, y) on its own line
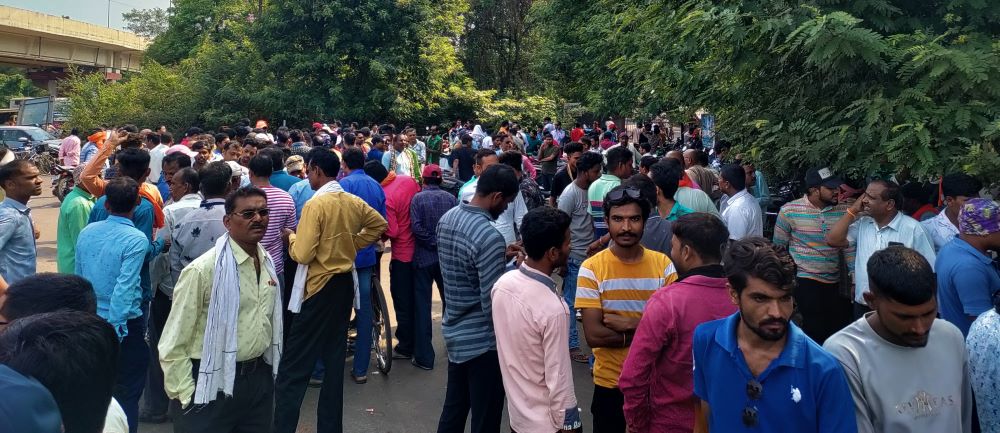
point(109, 14)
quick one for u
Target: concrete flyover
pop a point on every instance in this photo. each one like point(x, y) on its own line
point(47, 45)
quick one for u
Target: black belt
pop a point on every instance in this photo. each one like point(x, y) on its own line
point(243, 368)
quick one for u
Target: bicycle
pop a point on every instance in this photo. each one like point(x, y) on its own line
point(381, 326)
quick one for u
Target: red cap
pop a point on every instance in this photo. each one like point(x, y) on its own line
point(432, 171)
point(317, 125)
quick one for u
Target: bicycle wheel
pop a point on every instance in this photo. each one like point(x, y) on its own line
point(381, 328)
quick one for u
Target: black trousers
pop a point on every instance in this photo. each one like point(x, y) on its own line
point(609, 417)
point(155, 401)
point(319, 331)
point(475, 385)
point(423, 333)
point(249, 410)
point(403, 302)
point(824, 311)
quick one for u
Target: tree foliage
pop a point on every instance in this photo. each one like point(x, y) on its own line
point(496, 45)
point(148, 23)
point(13, 84)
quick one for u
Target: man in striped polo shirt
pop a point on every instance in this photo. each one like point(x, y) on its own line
point(472, 254)
point(612, 289)
point(802, 227)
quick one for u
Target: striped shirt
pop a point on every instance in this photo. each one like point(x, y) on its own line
point(802, 228)
point(595, 194)
point(471, 253)
point(869, 238)
point(282, 217)
point(606, 283)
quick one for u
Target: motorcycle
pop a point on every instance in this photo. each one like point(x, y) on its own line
point(63, 182)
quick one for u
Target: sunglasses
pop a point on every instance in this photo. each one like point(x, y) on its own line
point(250, 213)
point(754, 391)
point(619, 194)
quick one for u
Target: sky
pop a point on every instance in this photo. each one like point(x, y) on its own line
point(88, 11)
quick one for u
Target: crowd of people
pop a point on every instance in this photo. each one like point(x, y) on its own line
point(215, 278)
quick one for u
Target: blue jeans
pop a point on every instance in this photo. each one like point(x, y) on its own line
point(133, 359)
point(363, 344)
point(569, 294)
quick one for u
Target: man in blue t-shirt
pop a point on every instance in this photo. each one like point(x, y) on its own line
point(966, 276)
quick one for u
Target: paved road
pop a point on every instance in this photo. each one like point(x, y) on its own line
point(408, 400)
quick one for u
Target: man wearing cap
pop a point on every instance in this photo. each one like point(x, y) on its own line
point(801, 227)
point(426, 209)
point(966, 276)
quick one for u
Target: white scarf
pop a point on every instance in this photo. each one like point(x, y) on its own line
point(217, 371)
point(301, 272)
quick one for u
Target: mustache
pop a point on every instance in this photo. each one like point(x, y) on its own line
point(257, 226)
point(782, 322)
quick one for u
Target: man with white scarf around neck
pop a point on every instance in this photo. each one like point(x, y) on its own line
point(221, 345)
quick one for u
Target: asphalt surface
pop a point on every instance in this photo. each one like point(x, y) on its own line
point(407, 400)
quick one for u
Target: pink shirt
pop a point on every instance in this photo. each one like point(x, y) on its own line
point(69, 151)
point(398, 196)
point(282, 216)
point(657, 378)
point(531, 324)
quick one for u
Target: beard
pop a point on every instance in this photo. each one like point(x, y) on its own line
point(762, 331)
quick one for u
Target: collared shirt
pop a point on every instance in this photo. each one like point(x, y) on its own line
point(509, 222)
point(802, 228)
point(17, 241)
point(940, 229)
point(471, 253)
point(301, 192)
point(333, 227)
point(398, 195)
point(420, 149)
point(156, 155)
point(110, 254)
point(282, 217)
point(595, 194)
point(195, 234)
point(677, 211)
point(531, 343)
point(983, 345)
point(184, 332)
point(142, 219)
point(74, 212)
point(966, 282)
point(406, 163)
point(867, 238)
point(695, 199)
point(426, 209)
point(282, 180)
point(69, 151)
point(88, 151)
point(742, 216)
point(159, 269)
point(367, 189)
point(656, 378)
point(804, 389)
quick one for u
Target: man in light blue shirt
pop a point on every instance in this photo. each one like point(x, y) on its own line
point(20, 181)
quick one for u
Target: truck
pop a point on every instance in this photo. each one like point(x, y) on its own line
point(43, 111)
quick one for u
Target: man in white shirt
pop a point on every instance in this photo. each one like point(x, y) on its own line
point(740, 210)
point(956, 188)
point(509, 222)
point(157, 150)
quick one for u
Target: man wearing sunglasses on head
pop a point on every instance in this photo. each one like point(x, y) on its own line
point(755, 371)
point(612, 289)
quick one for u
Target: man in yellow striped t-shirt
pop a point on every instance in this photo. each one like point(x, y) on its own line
point(612, 289)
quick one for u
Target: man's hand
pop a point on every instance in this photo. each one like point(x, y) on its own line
point(858, 207)
point(116, 137)
point(515, 250)
point(618, 323)
point(35, 231)
point(285, 233)
point(596, 247)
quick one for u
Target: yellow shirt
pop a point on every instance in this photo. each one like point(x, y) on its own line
point(332, 228)
point(184, 331)
point(606, 283)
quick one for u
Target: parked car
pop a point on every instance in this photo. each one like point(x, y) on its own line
point(21, 138)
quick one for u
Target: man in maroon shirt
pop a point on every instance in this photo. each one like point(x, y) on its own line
point(656, 378)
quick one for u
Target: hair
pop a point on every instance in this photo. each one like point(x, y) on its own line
point(544, 228)
point(901, 274)
point(483, 153)
point(281, 136)
point(121, 194)
point(277, 157)
point(260, 165)
point(133, 162)
point(295, 135)
point(376, 170)
point(327, 161)
point(513, 159)
point(645, 147)
point(960, 184)
point(74, 354)
point(166, 138)
point(243, 192)
point(47, 292)
point(349, 138)
point(921, 192)
point(892, 192)
point(699, 157)
point(667, 175)
point(189, 176)
point(759, 258)
point(735, 175)
point(354, 158)
point(588, 161)
point(13, 168)
point(230, 144)
point(182, 160)
point(644, 206)
point(648, 161)
point(572, 147)
point(199, 145)
point(498, 178)
point(703, 232)
point(646, 188)
point(617, 157)
point(152, 138)
point(215, 178)
point(466, 139)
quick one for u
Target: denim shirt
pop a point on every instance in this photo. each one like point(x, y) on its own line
point(17, 241)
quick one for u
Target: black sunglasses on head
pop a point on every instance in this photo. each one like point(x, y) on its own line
point(619, 194)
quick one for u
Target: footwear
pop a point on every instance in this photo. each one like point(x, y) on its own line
point(398, 355)
point(577, 355)
point(414, 362)
point(315, 383)
point(360, 380)
point(149, 418)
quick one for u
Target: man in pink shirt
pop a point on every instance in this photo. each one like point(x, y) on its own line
point(399, 192)
point(531, 323)
point(281, 208)
point(69, 149)
point(656, 379)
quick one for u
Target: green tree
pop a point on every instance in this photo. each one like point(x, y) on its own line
point(496, 45)
point(148, 23)
point(190, 22)
point(13, 84)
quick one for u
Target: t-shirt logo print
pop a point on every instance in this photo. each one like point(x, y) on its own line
point(924, 404)
point(796, 394)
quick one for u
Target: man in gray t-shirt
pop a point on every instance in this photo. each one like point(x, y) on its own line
point(574, 202)
point(908, 370)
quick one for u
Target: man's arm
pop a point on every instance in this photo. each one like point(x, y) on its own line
point(392, 230)
point(837, 236)
point(701, 416)
point(421, 233)
point(372, 226)
point(490, 266)
point(520, 209)
point(558, 372)
point(782, 229)
point(127, 288)
point(842, 395)
point(90, 177)
point(303, 243)
point(178, 334)
point(8, 224)
point(651, 338)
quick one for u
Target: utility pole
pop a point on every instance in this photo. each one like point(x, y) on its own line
point(109, 14)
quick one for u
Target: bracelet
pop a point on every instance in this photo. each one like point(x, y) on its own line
point(852, 214)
